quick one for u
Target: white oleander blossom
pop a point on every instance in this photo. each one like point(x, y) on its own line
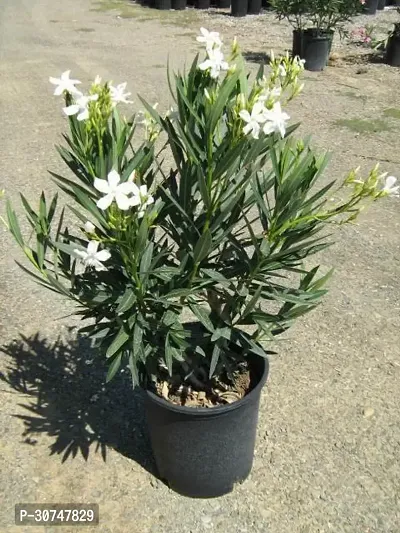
point(89, 227)
point(210, 38)
point(269, 94)
point(214, 63)
point(113, 190)
point(81, 106)
point(389, 187)
point(64, 83)
point(91, 257)
point(253, 120)
point(275, 120)
point(140, 198)
point(118, 94)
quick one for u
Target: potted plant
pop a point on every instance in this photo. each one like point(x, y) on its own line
point(178, 4)
point(393, 46)
point(371, 6)
point(314, 23)
point(254, 7)
point(381, 4)
point(239, 8)
point(183, 273)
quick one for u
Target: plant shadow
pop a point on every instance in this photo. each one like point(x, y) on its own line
point(257, 57)
point(70, 402)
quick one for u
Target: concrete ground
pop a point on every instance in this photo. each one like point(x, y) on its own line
point(328, 447)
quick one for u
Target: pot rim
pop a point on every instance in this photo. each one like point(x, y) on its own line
point(220, 409)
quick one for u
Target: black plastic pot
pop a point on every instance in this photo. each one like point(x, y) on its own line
point(381, 4)
point(203, 452)
point(178, 4)
point(239, 8)
point(202, 4)
point(393, 50)
point(162, 4)
point(254, 7)
point(297, 43)
point(371, 6)
point(315, 48)
point(224, 4)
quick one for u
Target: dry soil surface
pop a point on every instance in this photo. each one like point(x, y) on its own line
point(328, 447)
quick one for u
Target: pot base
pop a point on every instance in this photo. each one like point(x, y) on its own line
point(204, 452)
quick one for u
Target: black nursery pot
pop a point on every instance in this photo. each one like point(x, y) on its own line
point(371, 6)
point(162, 4)
point(178, 4)
point(254, 7)
point(381, 4)
point(239, 8)
point(202, 452)
point(297, 43)
point(393, 50)
point(202, 4)
point(224, 4)
point(316, 46)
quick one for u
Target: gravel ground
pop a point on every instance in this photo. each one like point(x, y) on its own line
point(327, 454)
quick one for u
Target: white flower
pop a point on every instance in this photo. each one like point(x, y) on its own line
point(215, 62)
point(275, 120)
point(91, 257)
point(282, 71)
point(81, 106)
point(114, 190)
point(254, 119)
point(64, 83)
point(141, 198)
point(118, 94)
point(299, 62)
point(210, 38)
point(269, 94)
point(389, 186)
point(97, 80)
point(89, 227)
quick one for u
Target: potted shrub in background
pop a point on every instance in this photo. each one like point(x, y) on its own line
point(295, 12)
point(162, 4)
point(254, 7)
point(315, 22)
point(239, 8)
point(392, 55)
point(381, 4)
point(371, 6)
point(178, 4)
point(183, 273)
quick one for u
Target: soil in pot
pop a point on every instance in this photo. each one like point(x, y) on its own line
point(381, 4)
point(202, 452)
point(202, 4)
point(371, 6)
point(239, 8)
point(254, 7)
point(393, 50)
point(315, 48)
point(162, 4)
point(178, 4)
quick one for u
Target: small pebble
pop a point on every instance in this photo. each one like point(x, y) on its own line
point(368, 412)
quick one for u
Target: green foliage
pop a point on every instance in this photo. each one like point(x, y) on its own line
point(321, 14)
point(227, 238)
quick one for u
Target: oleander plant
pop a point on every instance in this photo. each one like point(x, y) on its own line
point(187, 240)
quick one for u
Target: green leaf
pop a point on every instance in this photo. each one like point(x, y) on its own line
point(127, 301)
point(14, 225)
point(146, 260)
point(118, 342)
point(114, 367)
point(202, 315)
point(203, 247)
point(137, 338)
point(215, 356)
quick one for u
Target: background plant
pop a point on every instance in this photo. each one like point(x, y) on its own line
point(225, 235)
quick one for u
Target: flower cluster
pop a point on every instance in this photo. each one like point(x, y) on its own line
point(376, 185)
point(363, 36)
point(79, 103)
point(215, 62)
point(264, 109)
